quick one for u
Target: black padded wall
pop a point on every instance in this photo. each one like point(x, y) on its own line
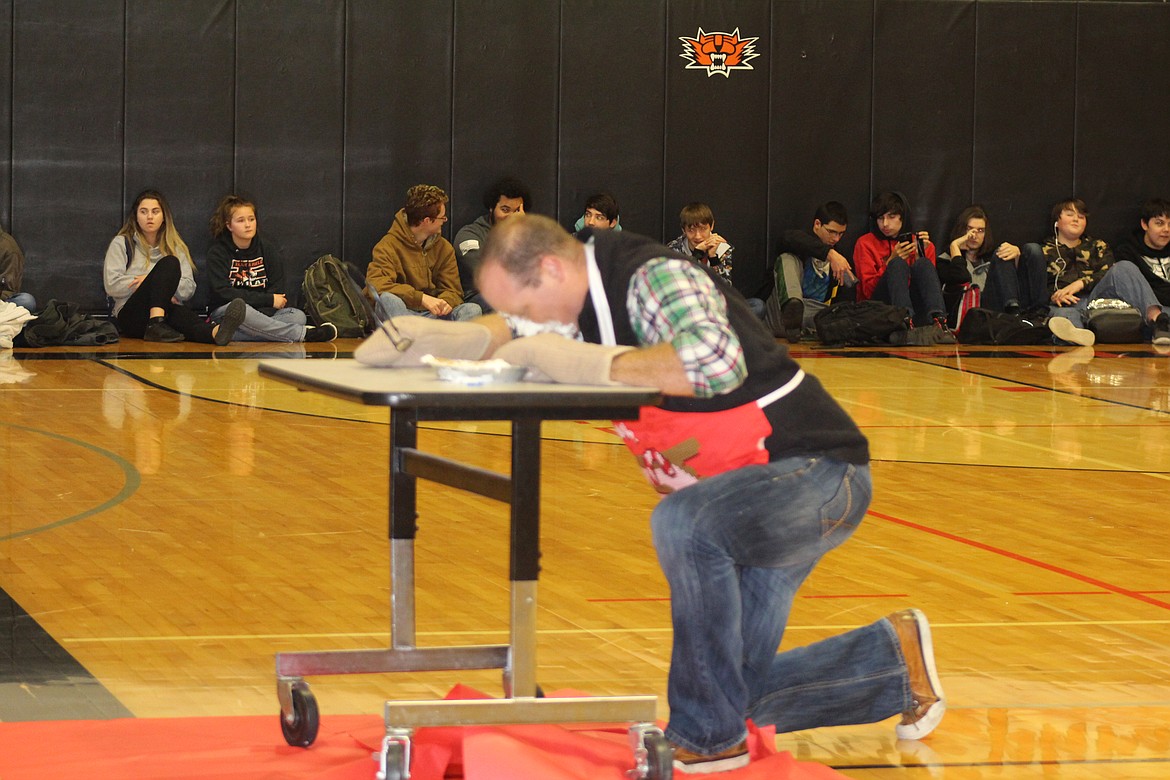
point(289, 142)
point(179, 129)
point(612, 103)
point(923, 85)
point(327, 112)
point(822, 77)
point(397, 113)
point(1025, 100)
point(67, 144)
point(505, 97)
point(716, 143)
point(6, 115)
point(1122, 148)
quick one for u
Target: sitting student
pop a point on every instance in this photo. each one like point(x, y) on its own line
point(414, 269)
point(889, 266)
point(601, 213)
point(1006, 281)
point(1149, 247)
point(1127, 281)
point(1080, 270)
point(503, 199)
point(700, 243)
point(150, 284)
point(12, 274)
point(243, 267)
point(812, 268)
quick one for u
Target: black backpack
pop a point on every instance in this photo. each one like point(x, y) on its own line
point(862, 323)
point(330, 294)
point(987, 326)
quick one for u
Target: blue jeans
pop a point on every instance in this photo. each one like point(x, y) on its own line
point(735, 548)
point(285, 324)
point(25, 300)
point(390, 305)
point(915, 288)
point(1021, 282)
point(1123, 281)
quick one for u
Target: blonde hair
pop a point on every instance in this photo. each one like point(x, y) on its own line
point(169, 240)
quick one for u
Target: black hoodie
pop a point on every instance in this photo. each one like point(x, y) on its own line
point(1154, 263)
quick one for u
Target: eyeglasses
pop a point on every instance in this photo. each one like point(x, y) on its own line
point(438, 219)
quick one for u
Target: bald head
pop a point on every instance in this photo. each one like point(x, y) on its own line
point(531, 267)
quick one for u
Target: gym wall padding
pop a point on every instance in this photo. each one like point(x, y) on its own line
point(1121, 107)
point(6, 108)
point(611, 71)
point(179, 136)
point(327, 112)
point(821, 109)
point(716, 139)
point(289, 109)
point(505, 89)
point(68, 151)
point(1024, 114)
point(397, 113)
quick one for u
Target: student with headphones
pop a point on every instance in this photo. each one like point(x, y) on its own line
point(1080, 270)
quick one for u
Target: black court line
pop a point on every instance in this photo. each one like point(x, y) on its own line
point(41, 680)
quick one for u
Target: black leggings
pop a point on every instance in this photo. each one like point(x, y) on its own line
point(156, 292)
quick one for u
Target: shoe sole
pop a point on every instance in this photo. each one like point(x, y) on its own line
point(1064, 330)
point(933, 716)
point(232, 323)
point(1162, 340)
point(711, 767)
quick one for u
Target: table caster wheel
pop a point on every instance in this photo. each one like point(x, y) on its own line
point(300, 726)
point(395, 759)
point(659, 758)
point(653, 756)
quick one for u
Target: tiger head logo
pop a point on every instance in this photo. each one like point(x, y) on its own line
point(719, 52)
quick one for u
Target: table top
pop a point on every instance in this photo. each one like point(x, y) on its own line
point(419, 388)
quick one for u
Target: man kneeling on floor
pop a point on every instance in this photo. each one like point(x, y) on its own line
point(761, 472)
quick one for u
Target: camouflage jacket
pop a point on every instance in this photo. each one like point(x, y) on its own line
point(1087, 261)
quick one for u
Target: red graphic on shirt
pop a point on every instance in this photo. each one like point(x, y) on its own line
point(248, 273)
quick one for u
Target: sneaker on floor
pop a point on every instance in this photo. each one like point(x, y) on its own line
point(689, 762)
point(159, 330)
point(326, 332)
point(928, 707)
point(1063, 329)
point(1161, 337)
point(942, 333)
point(233, 317)
point(792, 318)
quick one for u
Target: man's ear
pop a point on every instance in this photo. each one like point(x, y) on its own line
point(817, 223)
point(552, 266)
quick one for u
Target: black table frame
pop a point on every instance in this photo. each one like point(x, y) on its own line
point(525, 406)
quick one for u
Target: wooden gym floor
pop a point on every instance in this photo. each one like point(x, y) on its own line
point(171, 520)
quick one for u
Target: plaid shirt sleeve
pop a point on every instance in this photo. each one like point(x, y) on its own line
point(674, 302)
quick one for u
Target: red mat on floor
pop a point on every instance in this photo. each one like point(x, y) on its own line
point(250, 748)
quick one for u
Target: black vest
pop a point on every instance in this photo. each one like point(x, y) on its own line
point(807, 421)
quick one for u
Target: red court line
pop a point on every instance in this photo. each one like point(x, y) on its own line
point(1133, 594)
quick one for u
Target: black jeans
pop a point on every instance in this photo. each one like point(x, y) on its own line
point(156, 292)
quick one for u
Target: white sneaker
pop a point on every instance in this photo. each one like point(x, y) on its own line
point(1064, 330)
